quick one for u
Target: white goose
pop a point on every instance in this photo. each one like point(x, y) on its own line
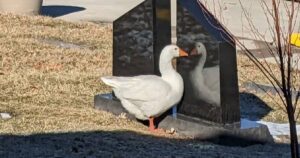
point(206, 81)
point(149, 96)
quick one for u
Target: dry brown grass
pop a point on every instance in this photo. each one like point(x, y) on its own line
point(49, 88)
point(248, 72)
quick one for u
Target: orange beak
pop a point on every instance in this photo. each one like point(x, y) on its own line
point(182, 53)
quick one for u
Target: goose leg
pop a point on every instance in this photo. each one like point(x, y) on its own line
point(151, 124)
point(152, 127)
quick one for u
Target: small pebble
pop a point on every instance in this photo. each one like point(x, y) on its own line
point(5, 116)
point(123, 115)
point(171, 131)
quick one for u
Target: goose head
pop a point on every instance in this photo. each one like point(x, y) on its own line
point(172, 51)
point(199, 49)
point(168, 53)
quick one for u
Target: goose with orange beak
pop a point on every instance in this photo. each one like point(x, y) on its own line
point(149, 96)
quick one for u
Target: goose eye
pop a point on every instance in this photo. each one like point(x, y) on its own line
point(176, 49)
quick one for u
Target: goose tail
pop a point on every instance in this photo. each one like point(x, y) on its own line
point(110, 80)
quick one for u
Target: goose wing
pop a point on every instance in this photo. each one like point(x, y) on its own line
point(144, 88)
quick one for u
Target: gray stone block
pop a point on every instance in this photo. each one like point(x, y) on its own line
point(231, 134)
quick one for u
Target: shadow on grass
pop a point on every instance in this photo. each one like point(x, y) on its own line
point(59, 10)
point(252, 107)
point(119, 144)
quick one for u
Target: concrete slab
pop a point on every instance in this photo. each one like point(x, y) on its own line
point(88, 10)
point(232, 14)
point(295, 61)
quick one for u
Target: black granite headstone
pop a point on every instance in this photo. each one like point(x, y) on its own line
point(217, 100)
point(141, 34)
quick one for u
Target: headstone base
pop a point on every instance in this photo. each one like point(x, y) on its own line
point(231, 135)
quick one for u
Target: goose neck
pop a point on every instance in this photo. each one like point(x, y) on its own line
point(202, 61)
point(165, 67)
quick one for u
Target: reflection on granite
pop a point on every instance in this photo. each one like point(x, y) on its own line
point(189, 31)
point(203, 96)
point(133, 41)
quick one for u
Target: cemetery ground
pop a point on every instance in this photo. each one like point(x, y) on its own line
point(49, 73)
